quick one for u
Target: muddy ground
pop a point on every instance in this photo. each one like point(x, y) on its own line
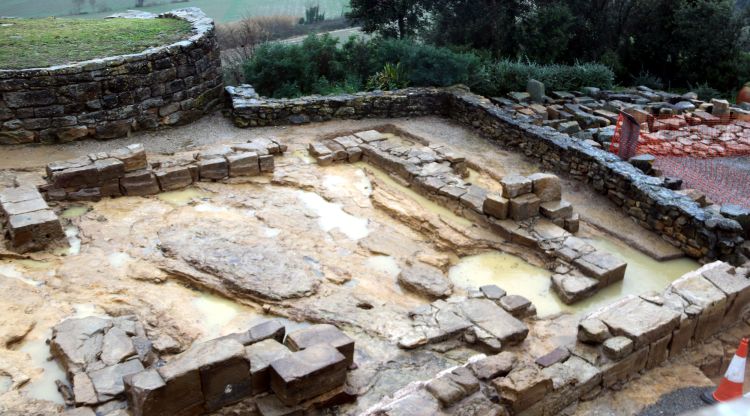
point(350, 226)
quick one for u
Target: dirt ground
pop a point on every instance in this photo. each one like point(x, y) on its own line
point(327, 221)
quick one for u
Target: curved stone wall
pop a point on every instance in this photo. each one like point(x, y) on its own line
point(700, 233)
point(110, 97)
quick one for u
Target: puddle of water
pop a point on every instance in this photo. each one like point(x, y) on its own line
point(182, 197)
point(331, 216)
point(385, 265)
point(118, 259)
point(43, 387)
point(83, 310)
point(517, 277)
point(74, 242)
point(12, 272)
point(304, 156)
point(74, 211)
point(33, 264)
point(5, 383)
point(422, 201)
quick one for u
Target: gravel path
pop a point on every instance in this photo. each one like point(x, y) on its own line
point(676, 402)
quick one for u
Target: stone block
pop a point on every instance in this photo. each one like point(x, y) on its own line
point(83, 390)
point(572, 224)
point(523, 387)
point(572, 288)
point(146, 395)
point(86, 194)
point(261, 355)
point(492, 292)
point(317, 149)
point(515, 185)
point(558, 355)
point(243, 164)
point(735, 286)
point(571, 379)
point(270, 405)
point(266, 163)
point(308, 373)
point(213, 169)
point(139, 183)
point(603, 266)
point(536, 90)
point(546, 186)
point(593, 331)
point(453, 387)
point(173, 178)
point(34, 229)
point(304, 338)
point(617, 348)
point(270, 329)
point(615, 372)
point(494, 366)
point(711, 302)
point(109, 169)
point(354, 154)
point(556, 209)
point(116, 347)
point(76, 177)
point(495, 206)
point(425, 280)
point(516, 305)
point(18, 194)
point(108, 381)
point(14, 208)
point(641, 321)
point(524, 207)
point(658, 352)
point(110, 188)
point(493, 319)
point(474, 198)
point(133, 157)
point(370, 136)
point(682, 336)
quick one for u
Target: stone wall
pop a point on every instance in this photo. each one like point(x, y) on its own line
point(110, 97)
point(698, 232)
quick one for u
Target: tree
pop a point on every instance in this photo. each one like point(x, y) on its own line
point(390, 18)
point(547, 32)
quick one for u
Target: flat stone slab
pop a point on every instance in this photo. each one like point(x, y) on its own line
point(490, 317)
point(308, 373)
point(602, 266)
point(108, 382)
point(425, 280)
point(261, 355)
point(304, 338)
point(641, 321)
point(572, 288)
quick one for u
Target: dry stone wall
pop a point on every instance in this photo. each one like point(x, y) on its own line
point(110, 97)
point(684, 223)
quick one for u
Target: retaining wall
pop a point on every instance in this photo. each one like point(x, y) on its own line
point(110, 97)
point(698, 232)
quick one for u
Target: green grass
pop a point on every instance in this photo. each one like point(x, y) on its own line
point(32, 43)
point(220, 10)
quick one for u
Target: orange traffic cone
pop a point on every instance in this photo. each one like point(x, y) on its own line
point(731, 385)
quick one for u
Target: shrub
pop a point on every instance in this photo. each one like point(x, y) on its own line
point(705, 92)
point(648, 79)
point(392, 77)
point(506, 75)
point(252, 31)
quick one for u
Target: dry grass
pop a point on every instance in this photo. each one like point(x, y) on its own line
point(252, 31)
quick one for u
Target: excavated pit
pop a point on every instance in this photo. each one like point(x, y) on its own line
point(306, 244)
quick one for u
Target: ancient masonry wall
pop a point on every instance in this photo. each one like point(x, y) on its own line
point(109, 97)
point(681, 221)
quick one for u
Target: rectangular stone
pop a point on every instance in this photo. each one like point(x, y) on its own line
point(139, 183)
point(641, 321)
point(108, 381)
point(34, 229)
point(109, 168)
point(173, 178)
point(735, 286)
point(243, 164)
point(18, 194)
point(133, 157)
point(261, 355)
point(658, 352)
point(495, 206)
point(266, 163)
point(615, 372)
point(271, 329)
point(711, 301)
point(308, 373)
point(515, 185)
point(13, 208)
point(524, 207)
point(322, 334)
point(78, 177)
point(317, 149)
point(558, 209)
point(213, 169)
point(602, 266)
point(370, 136)
point(146, 394)
point(546, 186)
point(523, 387)
point(474, 198)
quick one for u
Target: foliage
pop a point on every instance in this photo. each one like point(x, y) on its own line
point(312, 15)
point(392, 77)
point(507, 75)
point(705, 92)
point(390, 18)
point(26, 43)
point(547, 32)
point(649, 80)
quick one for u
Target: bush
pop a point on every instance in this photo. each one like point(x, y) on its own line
point(705, 92)
point(506, 75)
point(648, 79)
point(252, 31)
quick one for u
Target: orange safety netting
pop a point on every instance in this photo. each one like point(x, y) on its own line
point(708, 153)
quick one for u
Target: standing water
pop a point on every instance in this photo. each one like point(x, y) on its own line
point(43, 387)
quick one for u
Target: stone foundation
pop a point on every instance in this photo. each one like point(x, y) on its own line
point(110, 97)
point(700, 233)
point(29, 223)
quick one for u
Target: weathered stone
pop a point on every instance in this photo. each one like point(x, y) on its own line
point(304, 338)
point(523, 387)
point(108, 382)
point(641, 321)
point(710, 300)
point(266, 163)
point(524, 207)
point(370, 136)
point(116, 347)
point(658, 352)
point(546, 186)
point(602, 266)
point(425, 280)
point(139, 183)
point(452, 387)
point(146, 394)
point(261, 354)
point(516, 305)
point(109, 169)
point(83, 390)
point(515, 185)
point(572, 288)
point(77, 342)
point(558, 355)
point(643, 162)
point(133, 157)
point(18, 194)
point(617, 348)
point(737, 288)
point(174, 178)
point(720, 108)
point(213, 169)
point(474, 198)
point(34, 229)
point(76, 177)
point(308, 373)
point(270, 329)
point(14, 208)
point(535, 90)
point(494, 366)
point(618, 371)
point(492, 292)
point(556, 209)
point(270, 405)
point(593, 331)
point(487, 315)
point(243, 164)
point(495, 206)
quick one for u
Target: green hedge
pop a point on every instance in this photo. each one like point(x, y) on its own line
point(321, 66)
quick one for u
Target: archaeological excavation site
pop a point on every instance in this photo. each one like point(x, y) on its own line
point(175, 246)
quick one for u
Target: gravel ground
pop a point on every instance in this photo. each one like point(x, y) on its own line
point(676, 402)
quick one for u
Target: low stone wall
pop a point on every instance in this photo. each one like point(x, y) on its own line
point(109, 97)
point(698, 232)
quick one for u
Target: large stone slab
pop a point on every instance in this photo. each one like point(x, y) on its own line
point(77, 342)
point(108, 381)
point(523, 387)
point(710, 301)
point(603, 266)
point(308, 373)
point(425, 280)
point(487, 315)
point(641, 321)
point(304, 338)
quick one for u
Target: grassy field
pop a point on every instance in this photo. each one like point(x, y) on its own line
point(221, 10)
point(31, 43)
